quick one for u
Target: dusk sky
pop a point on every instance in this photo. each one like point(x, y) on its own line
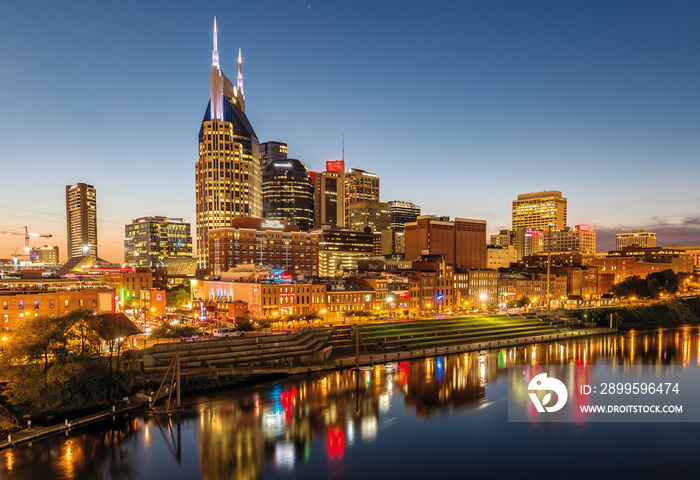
point(456, 106)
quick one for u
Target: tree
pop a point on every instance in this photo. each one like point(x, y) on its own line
point(311, 317)
point(668, 281)
point(511, 304)
point(177, 298)
point(166, 330)
point(82, 336)
point(52, 362)
point(523, 301)
point(36, 339)
point(243, 324)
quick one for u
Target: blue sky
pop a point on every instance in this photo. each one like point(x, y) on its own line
point(457, 106)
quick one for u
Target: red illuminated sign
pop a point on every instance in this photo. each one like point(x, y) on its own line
point(584, 228)
point(337, 166)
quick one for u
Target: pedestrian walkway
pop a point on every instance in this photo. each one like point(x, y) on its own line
point(34, 433)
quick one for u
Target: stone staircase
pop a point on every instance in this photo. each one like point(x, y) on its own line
point(391, 337)
point(297, 348)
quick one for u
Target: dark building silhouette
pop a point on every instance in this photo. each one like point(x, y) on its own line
point(288, 193)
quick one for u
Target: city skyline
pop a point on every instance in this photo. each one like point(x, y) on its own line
point(512, 100)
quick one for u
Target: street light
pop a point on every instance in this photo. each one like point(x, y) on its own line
point(549, 261)
point(389, 299)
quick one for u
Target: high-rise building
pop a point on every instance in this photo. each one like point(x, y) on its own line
point(360, 186)
point(372, 215)
point(271, 151)
point(578, 239)
point(329, 195)
point(539, 210)
point(148, 240)
point(81, 215)
point(528, 241)
point(401, 212)
point(393, 242)
point(45, 255)
point(503, 238)
point(228, 177)
point(340, 249)
point(638, 238)
point(462, 242)
point(288, 193)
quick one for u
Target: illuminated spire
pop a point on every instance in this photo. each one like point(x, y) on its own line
point(215, 52)
point(239, 80)
point(216, 83)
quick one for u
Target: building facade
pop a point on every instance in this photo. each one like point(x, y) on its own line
point(462, 241)
point(360, 186)
point(329, 195)
point(45, 255)
point(21, 299)
point(540, 209)
point(578, 239)
point(228, 177)
point(401, 213)
point(636, 238)
point(271, 151)
point(693, 251)
point(148, 240)
point(372, 215)
point(81, 215)
point(500, 256)
point(340, 250)
point(393, 242)
point(528, 241)
point(502, 238)
point(288, 193)
point(254, 241)
point(270, 300)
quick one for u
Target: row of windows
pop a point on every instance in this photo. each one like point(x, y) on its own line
point(21, 304)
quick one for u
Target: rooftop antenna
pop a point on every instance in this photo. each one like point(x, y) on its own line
point(343, 148)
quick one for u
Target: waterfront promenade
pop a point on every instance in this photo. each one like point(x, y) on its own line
point(322, 349)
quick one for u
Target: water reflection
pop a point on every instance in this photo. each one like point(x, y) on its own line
point(320, 420)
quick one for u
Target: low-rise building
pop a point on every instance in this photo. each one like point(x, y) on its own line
point(500, 256)
point(271, 300)
point(263, 242)
point(21, 299)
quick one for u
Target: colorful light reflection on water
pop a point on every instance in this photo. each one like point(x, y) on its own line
point(440, 417)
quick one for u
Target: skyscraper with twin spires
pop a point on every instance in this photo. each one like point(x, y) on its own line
point(228, 177)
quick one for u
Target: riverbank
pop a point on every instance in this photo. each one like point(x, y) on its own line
point(666, 314)
point(242, 377)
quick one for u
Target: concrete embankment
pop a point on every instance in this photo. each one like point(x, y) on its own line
point(320, 349)
point(304, 347)
point(368, 359)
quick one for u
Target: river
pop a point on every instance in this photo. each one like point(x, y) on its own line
point(441, 417)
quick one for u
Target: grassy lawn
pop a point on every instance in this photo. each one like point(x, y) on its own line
point(463, 329)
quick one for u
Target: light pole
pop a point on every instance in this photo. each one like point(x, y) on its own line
point(549, 262)
point(389, 300)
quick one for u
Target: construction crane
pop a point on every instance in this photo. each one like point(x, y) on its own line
point(26, 235)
